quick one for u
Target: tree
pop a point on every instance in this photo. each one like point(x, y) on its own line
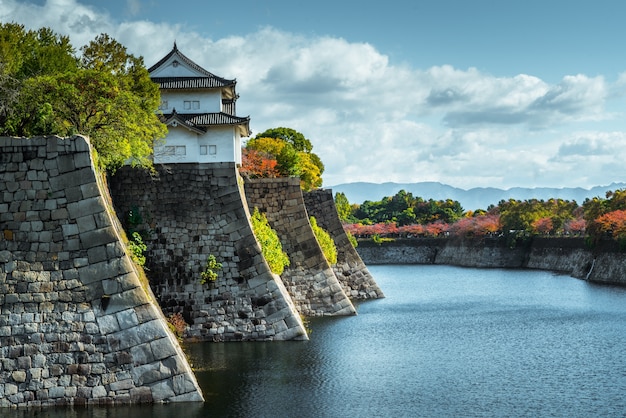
point(595, 209)
point(543, 226)
point(292, 152)
point(25, 55)
point(258, 164)
point(290, 136)
point(344, 209)
point(107, 95)
point(289, 161)
point(614, 224)
point(125, 123)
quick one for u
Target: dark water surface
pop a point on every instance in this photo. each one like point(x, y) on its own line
point(445, 342)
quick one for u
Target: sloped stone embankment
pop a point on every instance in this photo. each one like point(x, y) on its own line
point(76, 324)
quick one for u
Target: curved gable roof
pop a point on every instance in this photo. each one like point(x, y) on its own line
point(199, 121)
point(176, 119)
point(205, 79)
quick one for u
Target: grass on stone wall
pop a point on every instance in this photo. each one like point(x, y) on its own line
point(271, 247)
point(326, 242)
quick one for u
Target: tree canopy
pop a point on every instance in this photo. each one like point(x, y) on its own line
point(405, 215)
point(105, 93)
point(283, 152)
point(607, 217)
point(404, 209)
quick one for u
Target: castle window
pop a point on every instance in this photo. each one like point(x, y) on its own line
point(169, 150)
point(208, 149)
point(163, 105)
point(191, 104)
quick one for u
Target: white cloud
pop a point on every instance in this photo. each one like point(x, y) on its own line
point(371, 120)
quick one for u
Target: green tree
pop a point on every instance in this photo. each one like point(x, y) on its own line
point(524, 216)
point(290, 136)
point(294, 155)
point(344, 209)
point(25, 55)
point(289, 161)
point(107, 95)
point(32, 53)
point(404, 209)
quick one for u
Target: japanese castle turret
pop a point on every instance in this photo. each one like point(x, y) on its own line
point(199, 110)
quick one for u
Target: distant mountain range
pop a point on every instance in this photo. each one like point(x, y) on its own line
point(472, 199)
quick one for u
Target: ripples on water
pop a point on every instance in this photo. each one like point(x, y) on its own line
point(446, 341)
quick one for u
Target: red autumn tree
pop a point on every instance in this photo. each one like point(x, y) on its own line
point(436, 228)
point(414, 230)
point(476, 225)
point(257, 164)
point(575, 226)
point(614, 223)
point(543, 226)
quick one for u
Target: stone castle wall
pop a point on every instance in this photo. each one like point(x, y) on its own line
point(350, 270)
point(191, 211)
point(76, 324)
point(604, 263)
point(309, 278)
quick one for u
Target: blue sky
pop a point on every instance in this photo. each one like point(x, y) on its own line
point(468, 93)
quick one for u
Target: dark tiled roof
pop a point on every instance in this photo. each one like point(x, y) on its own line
point(191, 64)
point(201, 120)
point(191, 82)
point(172, 117)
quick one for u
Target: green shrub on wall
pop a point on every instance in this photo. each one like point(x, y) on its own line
point(326, 242)
point(211, 269)
point(352, 240)
point(270, 244)
point(137, 249)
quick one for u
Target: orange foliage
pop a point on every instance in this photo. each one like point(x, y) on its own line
point(543, 226)
point(613, 222)
point(575, 226)
point(258, 164)
point(386, 229)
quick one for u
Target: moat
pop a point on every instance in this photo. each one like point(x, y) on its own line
point(446, 341)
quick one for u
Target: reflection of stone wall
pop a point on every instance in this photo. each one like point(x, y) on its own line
point(76, 324)
point(309, 279)
point(190, 211)
point(356, 280)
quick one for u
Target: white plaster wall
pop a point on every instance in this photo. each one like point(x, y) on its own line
point(210, 100)
point(237, 146)
point(227, 146)
point(223, 138)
